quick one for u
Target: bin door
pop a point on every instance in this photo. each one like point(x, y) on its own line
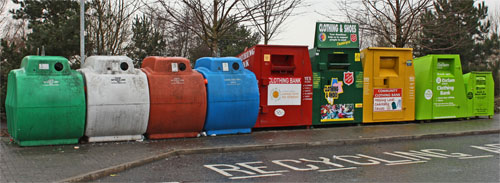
point(444, 100)
point(388, 85)
point(334, 107)
point(480, 101)
point(280, 72)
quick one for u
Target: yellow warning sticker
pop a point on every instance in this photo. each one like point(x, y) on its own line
point(357, 57)
point(359, 105)
point(267, 57)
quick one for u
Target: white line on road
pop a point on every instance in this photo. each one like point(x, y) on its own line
point(474, 157)
point(405, 163)
point(337, 169)
point(255, 176)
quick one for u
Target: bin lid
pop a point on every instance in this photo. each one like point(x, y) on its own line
point(220, 64)
point(46, 65)
point(166, 65)
point(390, 49)
point(110, 64)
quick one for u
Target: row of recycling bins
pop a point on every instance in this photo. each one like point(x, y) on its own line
point(267, 86)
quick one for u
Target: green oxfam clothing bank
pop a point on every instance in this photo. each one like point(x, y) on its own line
point(440, 91)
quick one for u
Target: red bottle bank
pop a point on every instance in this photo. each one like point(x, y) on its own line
point(178, 98)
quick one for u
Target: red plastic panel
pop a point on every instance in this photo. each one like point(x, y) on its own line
point(285, 84)
point(178, 98)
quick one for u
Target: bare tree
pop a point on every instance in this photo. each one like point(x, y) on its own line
point(211, 19)
point(12, 31)
point(270, 15)
point(109, 23)
point(178, 36)
point(494, 18)
point(3, 5)
point(396, 21)
point(493, 61)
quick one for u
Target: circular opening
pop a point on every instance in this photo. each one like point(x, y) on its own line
point(58, 66)
point(109, 68)
point(182, 66)
point(124, 66)
point(236, 66)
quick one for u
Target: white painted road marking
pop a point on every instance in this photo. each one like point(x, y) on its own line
point(255, 176)
point(344, 162)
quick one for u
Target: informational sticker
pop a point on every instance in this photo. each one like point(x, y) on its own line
point(118, 80)
point(51, 82)
point(279, 112)
point(307, 88)
point(366, 84)
point(359, 79)
point(348, 78)
point(359, 105)
point(232, 81)
point(336, 35)
point(284, 91)
point(408, 63)
point(177, 81)
point(267, 57)
point(428, 94)
point(387, 99)
point(316, 79)
point(43, 66)
point(480, 95)
point(175, 67)
point(445, 87)
point(225, 66)
point(411, 88)
point(357, 57)
point(333, 90)
point(337, 112)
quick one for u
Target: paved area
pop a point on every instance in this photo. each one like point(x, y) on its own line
point(456, 159)
point(85, 162)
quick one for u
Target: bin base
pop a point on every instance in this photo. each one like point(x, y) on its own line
point(115, 138)
point(228, 131)
point(172, 135)
point(47, 142)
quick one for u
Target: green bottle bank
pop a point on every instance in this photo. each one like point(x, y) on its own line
point(440, 91)
point(480, 94)
point(45, 102)
point(337, 74)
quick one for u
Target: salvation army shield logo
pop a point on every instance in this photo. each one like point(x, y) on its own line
point(354, 37)
point(348, 78)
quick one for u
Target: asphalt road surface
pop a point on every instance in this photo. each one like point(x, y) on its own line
point(453, 159)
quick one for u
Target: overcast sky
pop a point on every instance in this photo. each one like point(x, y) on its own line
point(299, 30)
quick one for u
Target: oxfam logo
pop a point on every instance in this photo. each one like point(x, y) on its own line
point(322, 37)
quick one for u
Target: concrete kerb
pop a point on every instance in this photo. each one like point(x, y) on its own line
point(171, 153)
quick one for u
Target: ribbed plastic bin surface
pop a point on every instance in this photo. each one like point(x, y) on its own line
point(117, 99)
point(45, 102)
point(233, 95)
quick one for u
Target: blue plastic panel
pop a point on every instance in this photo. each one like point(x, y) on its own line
point(233, 95)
